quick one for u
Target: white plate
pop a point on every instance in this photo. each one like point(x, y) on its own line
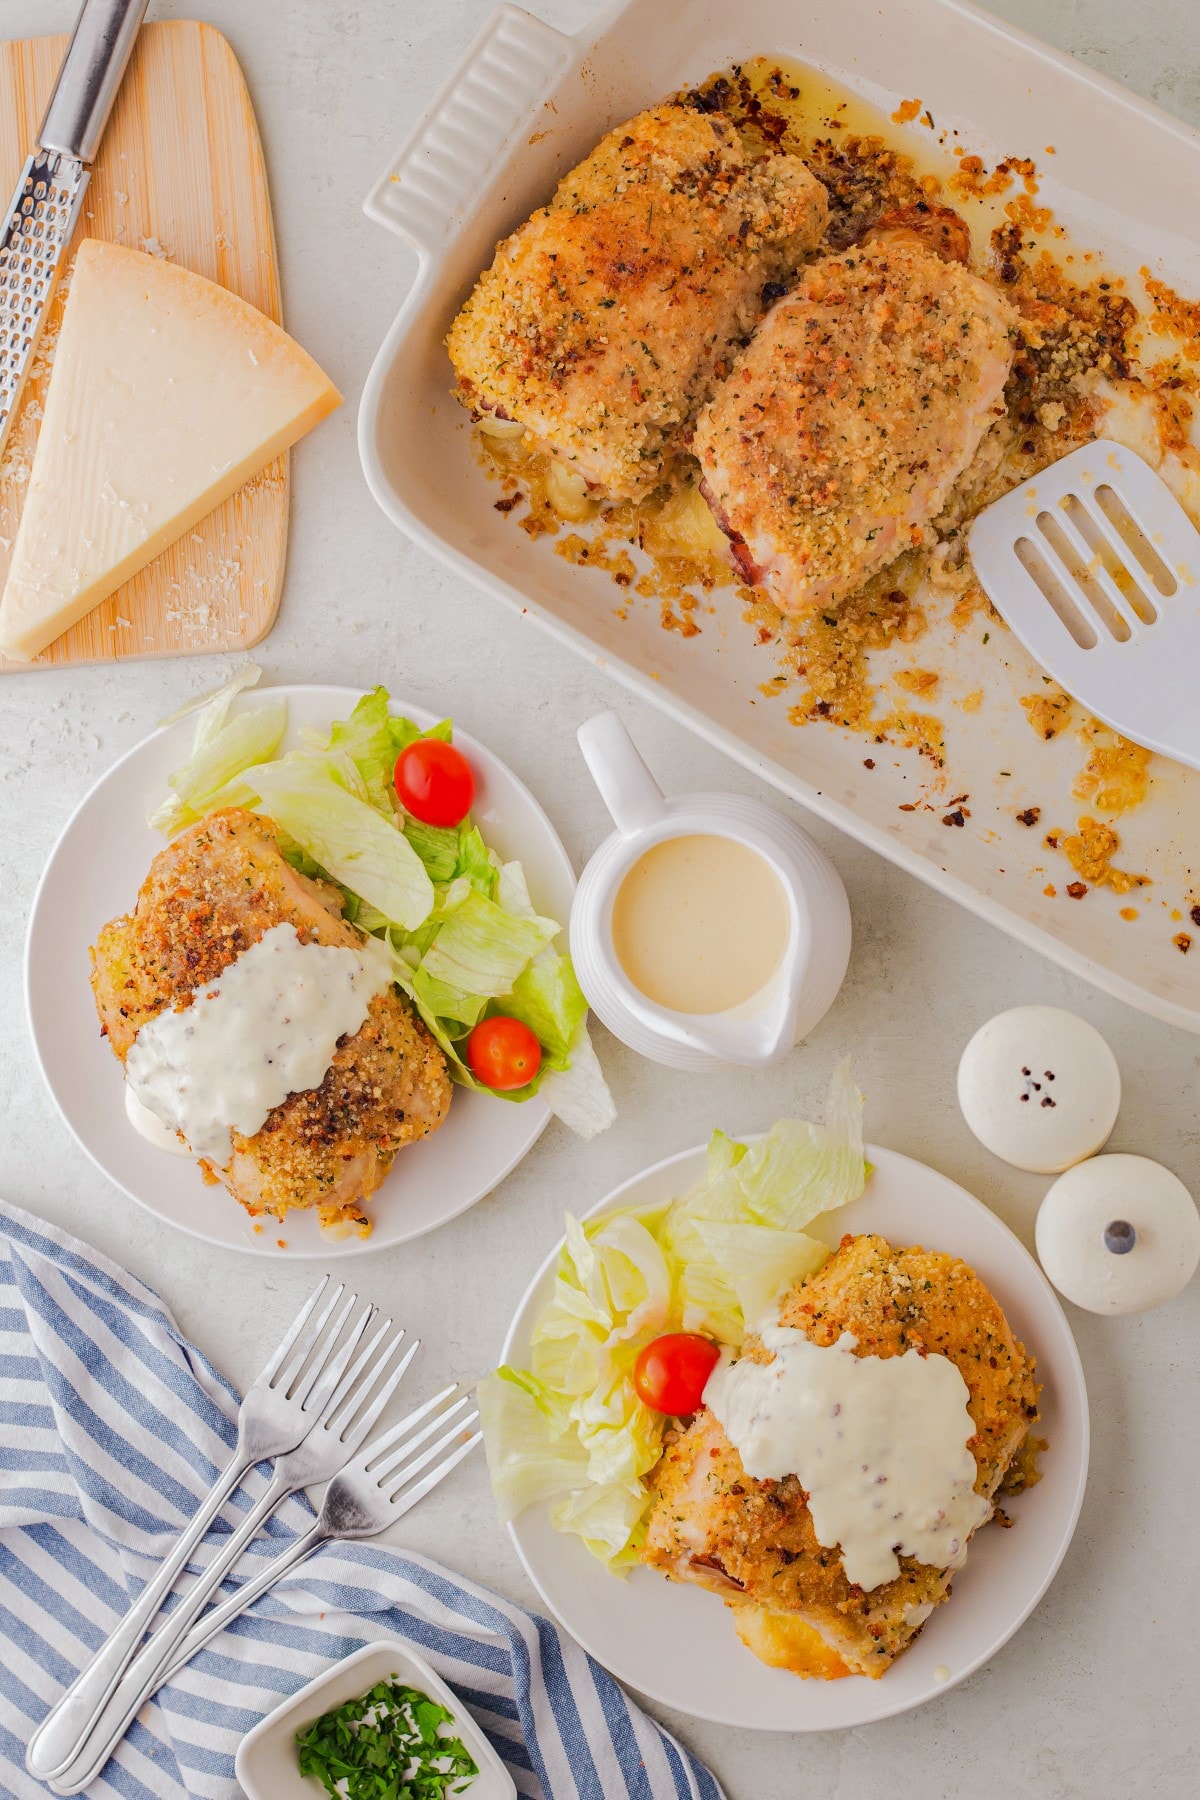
point(266, 1760)
point(677, 1644)
point(525, 103)
point(94, 873)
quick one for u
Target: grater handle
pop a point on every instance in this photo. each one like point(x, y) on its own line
point(491, 98)
point(97, 56)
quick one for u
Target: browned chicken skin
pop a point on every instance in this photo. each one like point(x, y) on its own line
point(608, 317)
point(753, 1542)
point(209, 896)
point(936, 228)
point(859, 402)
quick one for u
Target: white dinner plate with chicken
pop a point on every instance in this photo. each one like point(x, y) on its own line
point(386, 1116)
point(675, 1641)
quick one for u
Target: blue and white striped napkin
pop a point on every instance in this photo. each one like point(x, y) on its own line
point(112, 1427)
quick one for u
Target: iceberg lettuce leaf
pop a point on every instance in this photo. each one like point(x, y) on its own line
point(579, 1094)
point(481, 949)
point(547, 997)
point(354, 843)
point(611, 1520)
point(532, 1454)
point(366, 738)
point(223, 749)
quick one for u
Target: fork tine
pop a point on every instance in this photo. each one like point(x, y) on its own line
point(363, 1465)
point(403, 1503)
point(369, 1461)
point(393, 1475)
point(322, 1352)
point(297, 1360)
point(364, 1360)
point(330, 1380)
point(353, 1423)
point(295, 1329)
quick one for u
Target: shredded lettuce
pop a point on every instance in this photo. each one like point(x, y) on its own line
point(547, 997)
point(578, 1094)
point(533, 1454)
point(717, 1259)
point(366, 738)
point(464, 937)
point(481, 949)
point(222, 749)
point(346, 837)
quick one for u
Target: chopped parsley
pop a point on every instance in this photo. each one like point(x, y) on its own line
point(386, 1745)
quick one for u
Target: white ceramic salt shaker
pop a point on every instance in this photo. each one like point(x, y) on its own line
point(804, 983)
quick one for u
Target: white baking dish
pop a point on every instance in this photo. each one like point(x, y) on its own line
point(524, 105)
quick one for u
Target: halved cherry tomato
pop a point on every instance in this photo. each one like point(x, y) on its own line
point(434, 782)
point(669, 1374)
point(503, 1053)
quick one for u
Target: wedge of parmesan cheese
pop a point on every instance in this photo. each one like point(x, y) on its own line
point(166, 394)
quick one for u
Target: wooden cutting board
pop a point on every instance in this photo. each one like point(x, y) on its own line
point(180, 174)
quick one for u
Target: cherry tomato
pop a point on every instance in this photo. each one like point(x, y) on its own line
point(503, 1053)
point(434, 782)
point(670, 1373)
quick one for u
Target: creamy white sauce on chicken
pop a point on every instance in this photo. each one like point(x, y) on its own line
point(267, 1028)
point(151, 1128)
point(879, 1444)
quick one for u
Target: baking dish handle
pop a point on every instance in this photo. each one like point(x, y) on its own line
point(492, 96)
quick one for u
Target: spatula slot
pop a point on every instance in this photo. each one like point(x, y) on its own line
point(1128, 580)
point(1052, 590)
point(1135, 540)
point(1085, 574)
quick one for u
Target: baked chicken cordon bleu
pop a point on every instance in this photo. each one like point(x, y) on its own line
point(607, 319)
point(263, 1027)
point(859, 402)
point(933, 1345)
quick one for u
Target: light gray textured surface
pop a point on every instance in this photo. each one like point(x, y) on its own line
point(1096, 1696)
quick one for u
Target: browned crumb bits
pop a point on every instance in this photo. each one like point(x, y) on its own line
point(1116, 775)
point(1048, 713)
point(1090, 850)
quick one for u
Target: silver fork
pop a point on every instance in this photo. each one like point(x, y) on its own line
point(338, 1429)
point(272, 1419)
point(371, 1493)
point(380, 1486)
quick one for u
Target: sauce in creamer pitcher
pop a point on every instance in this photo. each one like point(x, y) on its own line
point(700, 923)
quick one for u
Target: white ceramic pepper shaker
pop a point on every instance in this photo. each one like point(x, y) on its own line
point(1118, 1234)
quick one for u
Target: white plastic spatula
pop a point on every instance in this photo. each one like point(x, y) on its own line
point(1096, 567)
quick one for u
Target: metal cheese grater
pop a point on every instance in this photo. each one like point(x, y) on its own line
point(45, 207)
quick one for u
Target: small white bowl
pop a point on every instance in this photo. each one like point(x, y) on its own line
point(267, 1766)
point(811, 971)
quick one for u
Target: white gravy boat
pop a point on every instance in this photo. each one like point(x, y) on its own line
point(805, 983)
